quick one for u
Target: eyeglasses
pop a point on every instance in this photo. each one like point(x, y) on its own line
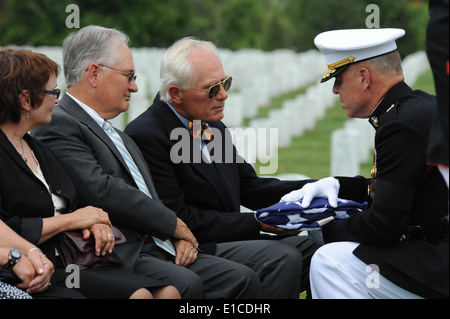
point(215, 88)
point(55, 92)
point(131, 75)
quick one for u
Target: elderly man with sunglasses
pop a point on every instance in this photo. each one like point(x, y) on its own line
point(207, 193)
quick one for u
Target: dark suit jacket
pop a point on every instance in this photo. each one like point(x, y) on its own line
point(207, 197)
point(24, 199)
point(438, 53)
point(102, 178)
point(408, 192)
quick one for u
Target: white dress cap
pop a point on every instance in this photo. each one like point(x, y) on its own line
point(344, 47)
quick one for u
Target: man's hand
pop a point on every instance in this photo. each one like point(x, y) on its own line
point(326, 187)
point(186, 253)
point(183, 232)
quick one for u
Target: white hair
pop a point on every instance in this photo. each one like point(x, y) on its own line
point(176, 68)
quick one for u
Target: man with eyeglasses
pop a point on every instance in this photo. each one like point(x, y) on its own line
point(207, 195)
point(110, 172)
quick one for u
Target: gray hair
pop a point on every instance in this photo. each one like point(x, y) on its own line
point(386, 63)
point(89, 44)
point(176, 68)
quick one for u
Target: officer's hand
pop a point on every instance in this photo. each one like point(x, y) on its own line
point(326, 187)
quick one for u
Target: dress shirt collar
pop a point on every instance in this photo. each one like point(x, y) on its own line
point(92, 113)
point(183, 120)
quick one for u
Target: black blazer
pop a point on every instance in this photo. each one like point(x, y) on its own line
point(408, 192)
point(24, 199)
point(207, 197)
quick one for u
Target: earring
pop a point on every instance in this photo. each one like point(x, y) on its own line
point(28, 115)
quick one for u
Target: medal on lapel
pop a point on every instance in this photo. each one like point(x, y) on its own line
point(373, 173)
point(202, 130)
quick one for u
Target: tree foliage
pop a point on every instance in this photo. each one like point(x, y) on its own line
point(233, 24)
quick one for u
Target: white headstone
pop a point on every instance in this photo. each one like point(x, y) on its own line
point(344, 153)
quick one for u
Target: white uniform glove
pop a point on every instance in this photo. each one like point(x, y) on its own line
point(326, 187)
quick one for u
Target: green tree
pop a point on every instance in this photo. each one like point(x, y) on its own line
point(313, 17)
point(278, 29)
point(410, 15)
point(148, 23)
point(309, 18)
point(233, 24)
point(33, 22)
point(240, 24)
point(42, 22)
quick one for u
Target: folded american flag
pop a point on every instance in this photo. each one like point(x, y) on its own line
point(291, 215)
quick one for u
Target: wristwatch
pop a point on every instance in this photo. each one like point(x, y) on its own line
point(13, 258)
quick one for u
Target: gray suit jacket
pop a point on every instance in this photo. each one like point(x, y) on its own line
point(102, 178)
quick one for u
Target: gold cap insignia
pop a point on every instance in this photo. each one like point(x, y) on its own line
point(333, 66)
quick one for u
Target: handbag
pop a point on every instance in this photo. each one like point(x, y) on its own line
point(74, 249)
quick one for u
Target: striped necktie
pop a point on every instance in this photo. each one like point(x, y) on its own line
point(167, 244)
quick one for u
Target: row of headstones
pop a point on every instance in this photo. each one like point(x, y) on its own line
point(261, 140)
point(353, 144)
point(265, 76)
point(258, 76)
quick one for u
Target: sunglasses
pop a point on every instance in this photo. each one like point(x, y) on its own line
point(131, 75)
point(215, 88)
point(55, 92)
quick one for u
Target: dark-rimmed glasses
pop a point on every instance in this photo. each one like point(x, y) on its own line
point(131, 75)
point(214, 89)
point(55, 92)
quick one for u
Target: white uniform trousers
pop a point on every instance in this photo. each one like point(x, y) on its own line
point(336, 273)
